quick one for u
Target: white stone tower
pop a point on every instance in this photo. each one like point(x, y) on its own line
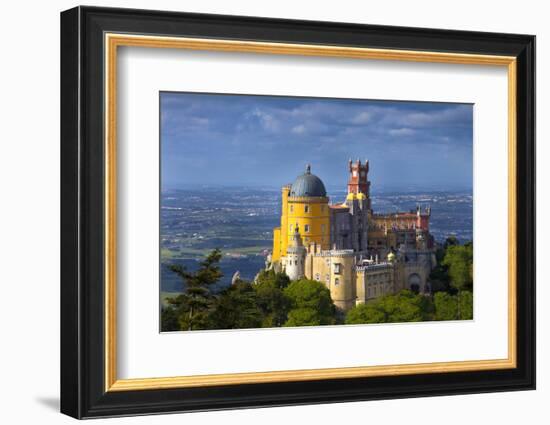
point(295, 257)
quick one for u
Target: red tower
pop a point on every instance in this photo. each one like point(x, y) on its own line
point(358, 178)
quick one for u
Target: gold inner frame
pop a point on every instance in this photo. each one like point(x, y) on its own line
point(113, 41)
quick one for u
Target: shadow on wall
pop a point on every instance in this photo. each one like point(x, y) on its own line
point(49, 402)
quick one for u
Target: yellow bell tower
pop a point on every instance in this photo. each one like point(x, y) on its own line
point(305, 206)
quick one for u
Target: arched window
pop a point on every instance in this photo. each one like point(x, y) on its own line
point(415, 282)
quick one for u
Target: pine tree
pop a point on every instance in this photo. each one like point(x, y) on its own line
point(193, 306)
point(271, 299)
point(236, 307)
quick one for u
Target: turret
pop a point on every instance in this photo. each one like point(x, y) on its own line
point(423, 218)
point(359, 184)
point(342, 280)
point(358, 178)
point(358, 202)
point(295, 257)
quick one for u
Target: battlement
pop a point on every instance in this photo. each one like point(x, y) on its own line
point(334, 253)
point(376, 266)
point(309, 199)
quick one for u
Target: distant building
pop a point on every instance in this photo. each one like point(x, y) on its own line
point(357, 254)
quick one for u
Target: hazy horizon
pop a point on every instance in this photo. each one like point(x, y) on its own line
point(374, 189)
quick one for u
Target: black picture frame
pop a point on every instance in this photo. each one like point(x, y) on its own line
point(83, 392)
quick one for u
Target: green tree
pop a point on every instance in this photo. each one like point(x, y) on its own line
point(169, 319)
point(439, 277)
point(193, 305)
point(310, 304)
point(459, 261)
point(466, 303)
point(447, 306)
point(404, 306)
point(236, 307)
point(279, 279)
point(451, 241)
point(304, 317)
point(271, 299)
point(370, 312)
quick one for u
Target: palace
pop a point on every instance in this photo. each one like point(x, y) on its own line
point(358, 254)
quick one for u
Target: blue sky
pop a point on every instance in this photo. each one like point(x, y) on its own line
point(267, 141)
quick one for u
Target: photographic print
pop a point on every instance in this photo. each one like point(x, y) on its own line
point(283, 211)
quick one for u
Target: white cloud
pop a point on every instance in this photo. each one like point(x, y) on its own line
point(444, 116)
point(299, 129)
point(200, 121)
point(404, 131)
point(268, 121)
point(362, 118)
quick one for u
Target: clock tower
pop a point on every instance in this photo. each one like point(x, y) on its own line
point(358, 179)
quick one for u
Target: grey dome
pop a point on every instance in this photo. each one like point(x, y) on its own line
point(308, 185)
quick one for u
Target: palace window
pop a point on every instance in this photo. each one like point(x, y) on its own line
point(337, 281)
point(337, 268)
point(306, 208)
point(307, 228)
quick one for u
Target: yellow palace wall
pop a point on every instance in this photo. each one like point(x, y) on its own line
point(312, 216)
point(341, 283)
